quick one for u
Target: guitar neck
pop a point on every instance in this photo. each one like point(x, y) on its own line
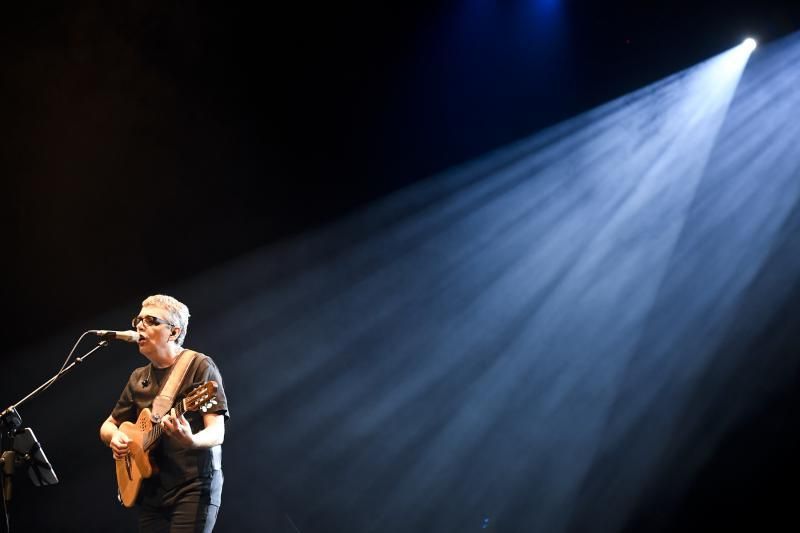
point(200, 398)
point(180, 409)
point(155, 433)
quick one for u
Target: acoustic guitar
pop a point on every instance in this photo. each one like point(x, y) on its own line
point(137, 465)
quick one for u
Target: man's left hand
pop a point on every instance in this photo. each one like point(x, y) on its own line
point(178, 428)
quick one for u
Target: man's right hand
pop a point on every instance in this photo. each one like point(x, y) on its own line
point(119, 444)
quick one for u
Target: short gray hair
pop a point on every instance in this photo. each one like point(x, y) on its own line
point(178, 312)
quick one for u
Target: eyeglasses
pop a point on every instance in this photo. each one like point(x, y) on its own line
point(149, 320)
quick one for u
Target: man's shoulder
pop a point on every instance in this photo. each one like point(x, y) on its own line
point(196, 354)
point(203, 365)
point(200, 360)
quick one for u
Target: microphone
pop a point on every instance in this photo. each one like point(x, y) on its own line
point(127, 336)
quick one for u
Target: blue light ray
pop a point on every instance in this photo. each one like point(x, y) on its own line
point(482, 330)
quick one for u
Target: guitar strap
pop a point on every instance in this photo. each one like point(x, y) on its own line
point(166, 396)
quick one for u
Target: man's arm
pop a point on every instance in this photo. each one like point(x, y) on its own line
point(114, 438)
point(211, 435)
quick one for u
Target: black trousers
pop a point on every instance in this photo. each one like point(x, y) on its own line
point(191, 507)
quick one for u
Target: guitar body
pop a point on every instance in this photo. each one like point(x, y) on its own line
point(136, 466)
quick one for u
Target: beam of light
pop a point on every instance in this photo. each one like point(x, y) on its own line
point(747, 193)
point(527, 338)
point(749, 44)
point(641, 197)
point(473, 350)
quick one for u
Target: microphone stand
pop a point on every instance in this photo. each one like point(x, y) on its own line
point(27, 449)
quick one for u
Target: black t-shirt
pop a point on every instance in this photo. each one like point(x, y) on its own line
point(175, 464)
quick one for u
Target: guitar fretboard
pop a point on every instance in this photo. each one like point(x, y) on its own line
point(154, 434)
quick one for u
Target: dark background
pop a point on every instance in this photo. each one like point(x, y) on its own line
point(146, 142)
